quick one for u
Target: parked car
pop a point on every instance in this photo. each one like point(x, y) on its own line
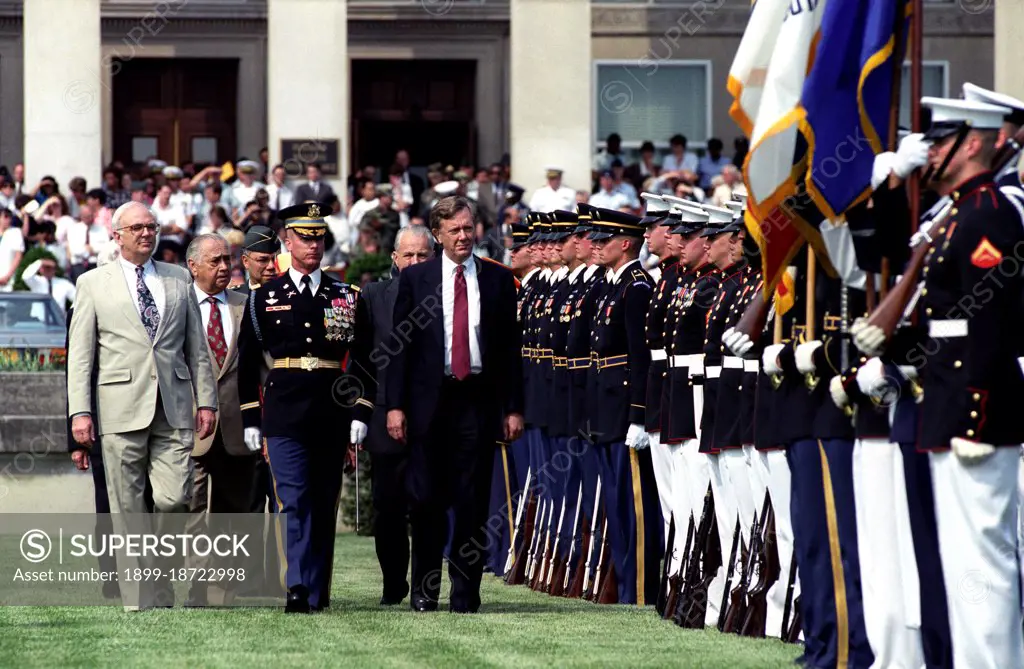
point(32, 331)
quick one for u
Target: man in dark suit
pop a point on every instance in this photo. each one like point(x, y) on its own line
point(415, 182)
point(454, 388)
point(316, 190)
point(388, 457)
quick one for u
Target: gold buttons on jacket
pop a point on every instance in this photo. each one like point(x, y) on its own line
point(976, 397)
point(970, 433)
point(974, 414)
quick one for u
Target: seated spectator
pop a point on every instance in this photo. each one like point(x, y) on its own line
point(644, 169)
point(169, 216)
point(623, 186)
point(12, 248)
point(711, 165)
point(723, 185)
point(76, 198)
point(83, 238)
point(41, 277)
point(679, 158)
point(104, 215)
point(607, 197)
point(170, 251)
point(216, 223)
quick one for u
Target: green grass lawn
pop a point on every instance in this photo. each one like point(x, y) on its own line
point(515, 628)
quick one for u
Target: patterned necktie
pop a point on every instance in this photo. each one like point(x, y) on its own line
point(215, 332)
point(147, 305)
point(460, 327)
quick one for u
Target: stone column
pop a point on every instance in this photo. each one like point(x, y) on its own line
point(63, 127)
point(1009, 48)
point(308, 80)
point(550, 93)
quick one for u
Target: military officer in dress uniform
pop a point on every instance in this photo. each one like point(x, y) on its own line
point(659, 221)
point(623, 361)
point(967, 359)
point(554, 195)
point(309, 324)
point(1009, 176)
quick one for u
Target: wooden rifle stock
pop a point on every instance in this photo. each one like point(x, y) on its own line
point(675, 581)
point(575, 587)
point(693, 602)
point(754, 317)
point(517, 574)
point(733, 606)
point(789, 612)
point(767, 568)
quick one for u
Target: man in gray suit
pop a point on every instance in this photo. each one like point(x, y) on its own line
point(139, 323)
point(225, 466)
point(414, 244)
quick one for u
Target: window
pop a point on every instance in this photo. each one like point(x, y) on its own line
point(144, 148)
point(649, 99)
point(934, 83)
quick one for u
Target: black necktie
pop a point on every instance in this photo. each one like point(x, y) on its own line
point(307, 284)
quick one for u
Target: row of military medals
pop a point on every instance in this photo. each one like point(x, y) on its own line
point(339, 318)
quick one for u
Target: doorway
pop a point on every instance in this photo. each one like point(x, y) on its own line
point(424, 106)
point(180, 110)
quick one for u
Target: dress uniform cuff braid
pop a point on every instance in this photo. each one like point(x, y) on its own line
point(250, 405)
point(252, 316)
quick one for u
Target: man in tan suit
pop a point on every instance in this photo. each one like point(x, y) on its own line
point(137, 321)
point(224, 465)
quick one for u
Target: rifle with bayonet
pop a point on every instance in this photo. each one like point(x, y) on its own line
point(560, 579)
point(733, 598)
point(544, 554)
point(607, 586)
point(767, 569)
point(536, 546)
point(791, 622)
point(675, 581)
point(586, 586)
point(693, 602)
point(553, 559)
point(515, 573)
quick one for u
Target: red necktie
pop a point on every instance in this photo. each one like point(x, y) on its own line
point(215, 333)
point(460, 327)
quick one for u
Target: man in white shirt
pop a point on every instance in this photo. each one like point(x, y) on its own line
point(680, 158)
point(711, 165)
point(244, 190)
point(368, 202)
point(281, 197)
point(41, 277)
point(225, 466)
point(82, 239)
point(608, 197)
point(554, 195)
point(12, 246)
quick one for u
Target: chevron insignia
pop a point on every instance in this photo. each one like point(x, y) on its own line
point(986, 255)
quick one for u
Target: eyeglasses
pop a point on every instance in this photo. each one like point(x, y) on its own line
point(139, 227)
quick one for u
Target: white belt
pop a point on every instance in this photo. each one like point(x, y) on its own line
point(658, 354)
point(732, 362)
point(751, 365)
point(947, 329)
point(692, 360)
point(713, 372)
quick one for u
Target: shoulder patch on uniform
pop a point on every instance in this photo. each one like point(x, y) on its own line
point(986, 255)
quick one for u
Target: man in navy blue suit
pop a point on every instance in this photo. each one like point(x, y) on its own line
point(454, 388)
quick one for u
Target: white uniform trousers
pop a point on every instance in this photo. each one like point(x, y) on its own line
point(773, 469)
point(663, 458)
point(976, 513)
point(888, 570)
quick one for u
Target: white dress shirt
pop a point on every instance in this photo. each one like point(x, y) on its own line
point(613, 200)
point(281, 197)
point(152, 280)
point(222, 306)
point(62, 290)
point(314, 279)
point(546, 199)
point(689, 161)
point(448, 267)
point(80, 236)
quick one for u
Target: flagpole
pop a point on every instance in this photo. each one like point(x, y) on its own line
point(916, 79)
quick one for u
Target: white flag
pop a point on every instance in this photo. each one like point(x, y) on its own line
point(767, 78)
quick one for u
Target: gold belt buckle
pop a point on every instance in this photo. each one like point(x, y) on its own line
point(308, 364)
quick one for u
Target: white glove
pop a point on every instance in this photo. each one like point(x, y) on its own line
point(770, 359)
point(911, 154)
point(881, 169)
point(637, 438)
point(357, 432)
point(971, 452)
point(839, 396)
point(909, 372)
point(805, 356)
point(737, 342)
point(253, 439)
point(870, 339)
point(871, 378)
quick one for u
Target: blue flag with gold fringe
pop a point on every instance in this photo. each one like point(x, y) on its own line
point(848, 98)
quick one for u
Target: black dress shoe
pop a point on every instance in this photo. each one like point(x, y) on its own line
point(297, 600)
point(422, 604)
point(395, 596)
